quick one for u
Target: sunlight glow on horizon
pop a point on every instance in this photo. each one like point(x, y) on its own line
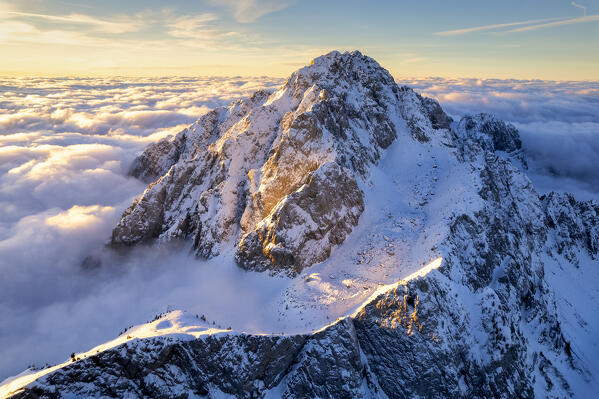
point(270, 38)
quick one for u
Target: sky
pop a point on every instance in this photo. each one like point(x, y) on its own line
point(543, 39)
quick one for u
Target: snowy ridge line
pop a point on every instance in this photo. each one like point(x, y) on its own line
point(435, 264)
point(173, 323)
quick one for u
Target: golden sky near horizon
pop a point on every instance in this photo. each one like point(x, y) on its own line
point(267, 37)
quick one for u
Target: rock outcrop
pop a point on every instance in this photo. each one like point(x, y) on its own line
point(490, 133)
point(574, 225)
point(302, 229)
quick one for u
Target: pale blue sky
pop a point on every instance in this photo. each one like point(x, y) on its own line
point(547, 39)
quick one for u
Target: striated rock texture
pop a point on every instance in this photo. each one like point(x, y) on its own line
point(239, 173)
point(284, 177)
point(422, 114)
point(157, 159)
point(574, 225)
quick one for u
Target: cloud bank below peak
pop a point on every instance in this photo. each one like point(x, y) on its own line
point(65, 147)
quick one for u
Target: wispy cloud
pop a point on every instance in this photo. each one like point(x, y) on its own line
point(465, 31)
point(523, 26)
point(581, 7)
point(251, 10)
point(572, 21)
point(121, 24)
point(191, 26)
point(163, 30)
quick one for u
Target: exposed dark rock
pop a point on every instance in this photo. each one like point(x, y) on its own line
point(573, 225)
point(157, 159)
point(490, 133)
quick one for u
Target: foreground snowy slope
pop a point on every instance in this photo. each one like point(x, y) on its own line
point(345, 182)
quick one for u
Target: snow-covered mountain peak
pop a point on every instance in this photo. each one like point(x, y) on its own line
point(348, 186)
point(231, 177)
point(339, 72)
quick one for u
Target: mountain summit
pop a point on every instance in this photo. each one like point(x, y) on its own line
point(277, 173)
point(448, 275)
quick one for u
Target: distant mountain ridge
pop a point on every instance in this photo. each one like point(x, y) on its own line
point(341, 161)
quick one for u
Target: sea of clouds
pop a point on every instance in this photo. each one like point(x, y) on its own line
point(65, 148)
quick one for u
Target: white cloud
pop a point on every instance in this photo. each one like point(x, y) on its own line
point(251, 10)
point(108, 106)
point(464, 31)
point(196, 26)
point(119, 24)
point(580, 6)
point(572, 21)
point(528, 25)
point(162, 29)
point(65, 147)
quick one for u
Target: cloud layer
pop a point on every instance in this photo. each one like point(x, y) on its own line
point(65, 146)
point(161, 27)
point(251, 10)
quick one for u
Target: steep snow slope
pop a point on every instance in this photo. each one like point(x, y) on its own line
point(258, 185)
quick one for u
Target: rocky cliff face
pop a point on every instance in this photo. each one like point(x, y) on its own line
point(237, 171)
point(574, 226)
point(302, 228)
point(284, 178)
point(488, 132)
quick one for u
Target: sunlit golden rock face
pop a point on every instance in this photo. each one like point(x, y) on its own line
point(303, 227)
point(301, 150)
point(404, 315)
